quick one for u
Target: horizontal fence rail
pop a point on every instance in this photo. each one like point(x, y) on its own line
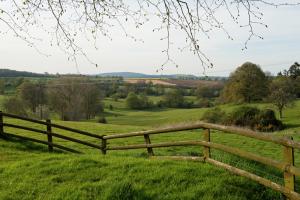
point(285, 165)
point(48, 132)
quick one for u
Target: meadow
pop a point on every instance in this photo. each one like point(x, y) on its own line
point(28, 171)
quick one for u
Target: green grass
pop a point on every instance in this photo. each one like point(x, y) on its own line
point(28, 171)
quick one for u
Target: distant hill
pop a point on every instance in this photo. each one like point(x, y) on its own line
point(15, 73)
point(140, 75)
point(127, 75)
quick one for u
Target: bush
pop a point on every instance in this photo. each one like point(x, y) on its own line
point(261, 120)
point(175, 99)
point(245, 116)
point(134, 101)
point(266, 121)
point(214, 115)
point(14, 105)
point(102, 120)
point(203, 103)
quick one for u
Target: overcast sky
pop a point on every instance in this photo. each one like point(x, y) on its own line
point(279, 49)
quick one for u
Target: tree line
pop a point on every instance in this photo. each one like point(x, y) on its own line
point(250, 84)
point(71, 98)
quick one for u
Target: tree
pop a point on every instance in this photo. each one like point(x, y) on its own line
point(2, 87)
point(33, 95)
point(247, 84)
point(67, 20)
point(294, 74)
point(134, 101)
point(282, 93)
point(294, 70)
point(91, 99)
point(208, 91)
point(174, 99)
point(14, 105)
point(74, 98)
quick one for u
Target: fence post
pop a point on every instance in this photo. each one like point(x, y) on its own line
point(1, 125)
point(49, 135)
point(288, 159)
point(147, 141)
point(103, 146)
point(206, 138)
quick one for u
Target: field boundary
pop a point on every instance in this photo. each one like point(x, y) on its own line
point(286, 165)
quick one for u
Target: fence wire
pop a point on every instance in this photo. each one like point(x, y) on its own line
point(254, 167)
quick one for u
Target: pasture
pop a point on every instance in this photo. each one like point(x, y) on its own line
point(28, 171)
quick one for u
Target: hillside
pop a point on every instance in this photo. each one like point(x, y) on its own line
point(28, 171)
point(141, 75)
point(15, 73)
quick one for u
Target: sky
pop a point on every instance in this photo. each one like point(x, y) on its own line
point(279, 49)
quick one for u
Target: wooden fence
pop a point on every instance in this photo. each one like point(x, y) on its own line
point(286, 165)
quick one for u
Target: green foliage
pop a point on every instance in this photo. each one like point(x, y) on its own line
point(245, 116)
point(203, 103)
point(266, 121)
point(174, 99)
point(254, 118)
point(293, 73)
point(282, 93)
point(134, 101)
point(32, 94)
point(214, 115)
point(2, 87)
point(115, 97)
point(102, 120)
point(247, 84)
point(208, 91)
point(14, 105)
point(75, 98)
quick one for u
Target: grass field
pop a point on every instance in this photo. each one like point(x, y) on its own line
point(28, 171)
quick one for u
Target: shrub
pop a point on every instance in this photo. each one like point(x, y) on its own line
point(102, 120)
point(266, 121)
point(214, 115)
point(134, 101)
point(261, 120)
point(203, 103)
point(243, 116)
point(174, 99)
point(14, 105)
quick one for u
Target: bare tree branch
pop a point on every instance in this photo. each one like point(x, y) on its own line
point(65, 20)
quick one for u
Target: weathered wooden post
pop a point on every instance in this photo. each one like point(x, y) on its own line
point(103, 146)
point(288, 159)
point(49, 135)
point(148, 141)
point(206, 138)
point(1, 125)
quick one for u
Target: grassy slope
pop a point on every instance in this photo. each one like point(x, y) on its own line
point(27, 171)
